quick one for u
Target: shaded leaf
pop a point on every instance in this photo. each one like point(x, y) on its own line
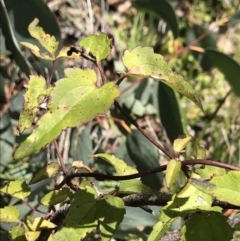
point(142, 61)
point(9, 214)
point(55, 197)
point(161, 227)
point(18, 189)
point(71, 104)
point(113, 216)
point(169, 111)
point(97, 45)
point(172, 172)
point(12, 43)
point(145, 156)
point(82, 217)
point(160, 9)
point(228, 66)
point(48, 171)
point(211, 227)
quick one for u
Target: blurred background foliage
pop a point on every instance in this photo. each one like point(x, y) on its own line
point(199, 39)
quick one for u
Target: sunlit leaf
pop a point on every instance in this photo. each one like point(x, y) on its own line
point(34, 96)
point(16, 233)
point(224, 188)
point(55, 197)
point(32, 235)
point(47, 41)
point(36, 51)
point(142, 61)
point(180, 143)
point(18, 189)
point(71, 104)
point(37, 223)
point(9, 214)
point(97, 45)
point(172, 172)
point(48, 171)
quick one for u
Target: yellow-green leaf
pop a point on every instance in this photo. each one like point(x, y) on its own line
point(173, 169)
point(18, 189)
point(32, 235)
point(55, 197)
point(36, 51)
point(180, 143)
point(142, 61)
point(72, 101)
point(9, 214)
point(37, 223)
point(34, 96)
point(47, 41)
point(225, 188)
point(16, 233)
point(97, 45)
point(48, 171)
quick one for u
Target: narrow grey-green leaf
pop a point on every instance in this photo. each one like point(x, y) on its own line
point(160, 9)
point(228, 66)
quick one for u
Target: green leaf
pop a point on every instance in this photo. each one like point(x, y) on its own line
point(72, 102)
point(142, 61)
point(82, 217)
point(211, 227)
point(207, 172)
point(16, 233)
point(169, 111)
point(133, 186)
point(47, 41)
point(98, 45)
point(113, 216)
point(18, 189)
point(55, 197)
point(119, 165)
point(37, 223)
point(229, 67)
point(160, 9)
point(121, 168)
point(224, 188)
point(180, 143)
point(9, 214)
point(200, 152)
point(34, 96)
point(48, 171)
point(172, 172)
point(161, 227)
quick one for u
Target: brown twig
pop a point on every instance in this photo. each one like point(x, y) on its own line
point(60, 158)
point(159, 146)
